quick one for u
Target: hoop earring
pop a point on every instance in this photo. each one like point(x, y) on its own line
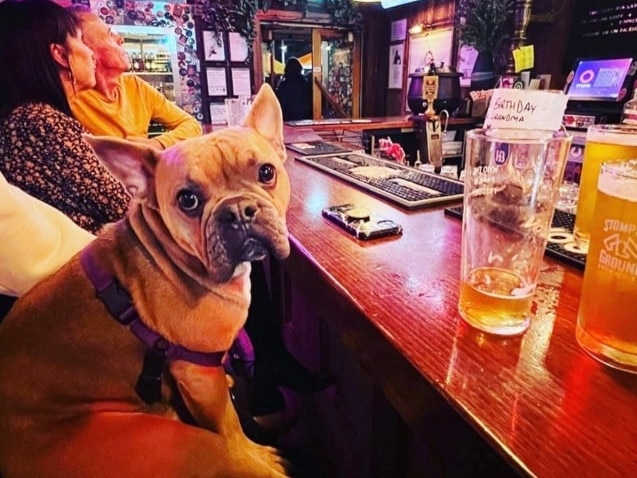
point(72, 79)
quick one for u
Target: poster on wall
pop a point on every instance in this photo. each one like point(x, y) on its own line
point(396, 61)
point(217, 85)
point(217, 113)
point(432, 47)
point(399, 30)
point(241, 82)
point(466, 59)
point(213, 51)
point(238, 47)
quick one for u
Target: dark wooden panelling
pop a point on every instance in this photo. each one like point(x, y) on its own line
point(548, 33)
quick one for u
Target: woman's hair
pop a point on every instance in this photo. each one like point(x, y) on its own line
point(293, 67)
point(29, 73)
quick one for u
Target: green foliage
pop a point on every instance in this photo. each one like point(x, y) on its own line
point(484, 24)
point(239, 15)
point(232, 16)
point(344, 13)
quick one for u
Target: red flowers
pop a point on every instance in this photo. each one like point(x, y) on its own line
point(392, 150)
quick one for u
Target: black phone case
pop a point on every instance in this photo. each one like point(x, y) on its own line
point(372, 227)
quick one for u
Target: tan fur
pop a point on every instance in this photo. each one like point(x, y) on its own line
point(68, 406)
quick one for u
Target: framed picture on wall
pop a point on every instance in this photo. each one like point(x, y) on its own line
point(238, 47)
point(399, 30)
point(217, 113)
point(213, 49)
point(466, 59)
point(396, 65)
point(434, 47)
point(241, 82)
point(217, 85)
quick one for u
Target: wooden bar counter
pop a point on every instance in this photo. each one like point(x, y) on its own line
point(382, 317)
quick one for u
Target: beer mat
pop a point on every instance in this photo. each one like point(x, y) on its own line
point(329, 121)
point(560, 246)
point(310, 148)
point(403, 185)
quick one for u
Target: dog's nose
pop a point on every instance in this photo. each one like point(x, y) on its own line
point(238, 212)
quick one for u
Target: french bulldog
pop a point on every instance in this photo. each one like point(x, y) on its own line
point(127, 382)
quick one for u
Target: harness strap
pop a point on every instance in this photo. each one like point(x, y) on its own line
point(119, 304)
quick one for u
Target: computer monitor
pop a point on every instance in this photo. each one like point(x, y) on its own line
point(601, 80)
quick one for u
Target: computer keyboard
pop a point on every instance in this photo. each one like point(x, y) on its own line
point(403, 185)
point(560, 246)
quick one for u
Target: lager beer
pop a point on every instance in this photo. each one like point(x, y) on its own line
point(603, 143)
point(607, 317)
point(512, 180)
point(495, 300)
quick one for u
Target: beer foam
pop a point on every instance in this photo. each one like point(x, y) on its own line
point(619, 180)
point(627, 136)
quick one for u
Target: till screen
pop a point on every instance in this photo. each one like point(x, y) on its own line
point(599, 80)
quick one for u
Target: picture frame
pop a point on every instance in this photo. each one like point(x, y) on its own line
point(218, 113)
point(241, 82)
point(217, 83)
point(396, 65)
point(464, 64)
point(399, 30)
point(213, 50)
point(238, 47)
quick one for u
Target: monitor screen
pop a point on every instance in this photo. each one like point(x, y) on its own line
point(598, 80)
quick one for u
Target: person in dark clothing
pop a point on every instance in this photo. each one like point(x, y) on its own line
point(294, 92)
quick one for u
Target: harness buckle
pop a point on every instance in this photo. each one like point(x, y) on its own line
point(118, 302)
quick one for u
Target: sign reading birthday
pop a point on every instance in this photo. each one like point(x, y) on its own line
point(526, 109)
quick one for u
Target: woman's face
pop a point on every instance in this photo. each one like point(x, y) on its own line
point(81, 62)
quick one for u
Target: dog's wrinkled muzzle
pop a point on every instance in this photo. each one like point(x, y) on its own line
point(241, 229)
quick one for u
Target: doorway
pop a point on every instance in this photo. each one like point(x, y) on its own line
point(336, 81)
point(278, 46)
point(330, 62)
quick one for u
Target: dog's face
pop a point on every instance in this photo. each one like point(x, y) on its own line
point(222, 197)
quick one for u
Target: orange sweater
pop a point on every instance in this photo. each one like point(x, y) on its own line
point(129, 115)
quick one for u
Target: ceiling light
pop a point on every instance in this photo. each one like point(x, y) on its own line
point(416, 29)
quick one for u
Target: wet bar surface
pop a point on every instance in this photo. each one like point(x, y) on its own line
point(538, 399)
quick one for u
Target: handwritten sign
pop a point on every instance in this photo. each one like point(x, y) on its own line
point(526, 109)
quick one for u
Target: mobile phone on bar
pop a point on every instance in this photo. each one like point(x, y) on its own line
point(361, 223)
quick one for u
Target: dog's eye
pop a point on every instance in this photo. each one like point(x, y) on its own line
point(188, 201)
point(267, 173)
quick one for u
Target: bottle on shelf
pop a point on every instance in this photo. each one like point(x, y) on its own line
point(629, 113)
point(135, 61)
point(141, 65)
point(149, 61)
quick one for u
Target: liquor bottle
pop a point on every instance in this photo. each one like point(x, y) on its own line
point(629, 113)
point(148, 65)
point(135, 62)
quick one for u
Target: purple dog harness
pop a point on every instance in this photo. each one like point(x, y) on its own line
point(119, 304)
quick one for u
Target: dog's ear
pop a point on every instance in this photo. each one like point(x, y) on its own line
point(266, 118)
point(132, 163)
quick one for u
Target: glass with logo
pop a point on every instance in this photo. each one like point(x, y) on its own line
point(512, 180)
point(604, 142)
point(607, 316)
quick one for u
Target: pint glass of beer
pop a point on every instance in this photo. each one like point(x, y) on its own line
point(604, 142)
point(512, 180)
point(607, 317)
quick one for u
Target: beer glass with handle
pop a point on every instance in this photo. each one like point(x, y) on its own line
point(603, 143)
point(607, 320)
